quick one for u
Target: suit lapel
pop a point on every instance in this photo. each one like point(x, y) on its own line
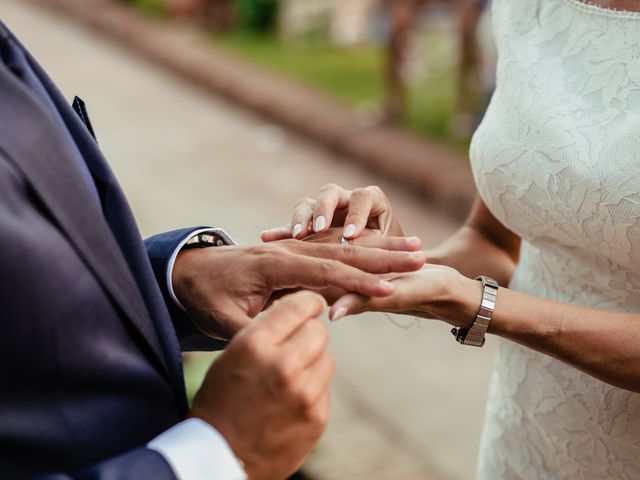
point(31, 138)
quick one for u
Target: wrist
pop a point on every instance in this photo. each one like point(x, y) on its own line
point(189, 265)
point(240, 450)
point(184, 269)
point(466, 296)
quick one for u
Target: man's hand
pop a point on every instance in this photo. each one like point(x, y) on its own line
point(222, 288)
point(268, 393)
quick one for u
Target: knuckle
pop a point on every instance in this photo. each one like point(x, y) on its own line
point(306, 401)
point(328, 187)
point(261, 250)
point(284, 246)
point(283, 372)
point(360, 192)
point(319, 333)
point(294, 303)
point(304, 203)
point(252, 344)
point(349, 250)
point(317, 416)
point(325, 269)
point(375, 190)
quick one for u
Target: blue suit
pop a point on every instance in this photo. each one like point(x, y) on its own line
point(90, 365)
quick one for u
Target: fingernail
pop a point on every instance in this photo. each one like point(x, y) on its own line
point(350, 230)
point(413, 239)
point(296, 230)
point(386, 285)
point(321, 222)
point(340, 313)
point(416, 255)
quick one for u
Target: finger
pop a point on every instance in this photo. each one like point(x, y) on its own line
point(352, 304)
point(230, 319)
point(292, 271)
point(306, 344)
point(330, 198)
point(405, 299)
point(365, 204)
point(302, 217)
point(359, 211)
point(317, 378)
point(275, 234)
point(403, 244)
point(371, 260)
point(289, 313)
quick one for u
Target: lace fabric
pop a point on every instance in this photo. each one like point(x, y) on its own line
point(557, 160)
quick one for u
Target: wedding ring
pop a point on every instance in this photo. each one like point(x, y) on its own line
point(343, 241)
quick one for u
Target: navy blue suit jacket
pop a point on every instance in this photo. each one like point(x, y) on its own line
point(90, 365)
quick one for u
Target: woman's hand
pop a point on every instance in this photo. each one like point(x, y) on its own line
point(354, 211)
point(369, 238)
point(433, 292)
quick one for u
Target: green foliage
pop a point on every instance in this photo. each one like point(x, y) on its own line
point(355, 76)
point(155, 8)
point(259, 16)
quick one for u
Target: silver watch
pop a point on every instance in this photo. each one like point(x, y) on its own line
point(474, 335)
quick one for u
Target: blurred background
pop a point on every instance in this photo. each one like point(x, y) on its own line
point(226, 112)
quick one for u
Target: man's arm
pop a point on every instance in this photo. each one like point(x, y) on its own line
point(162, 250)
point(140, 463)
point(191, 450)
point(267, 394)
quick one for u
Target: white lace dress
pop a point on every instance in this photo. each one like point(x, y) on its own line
point(557, 160)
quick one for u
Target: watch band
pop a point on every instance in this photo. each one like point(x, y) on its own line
point(475, 335)
point(203, 240)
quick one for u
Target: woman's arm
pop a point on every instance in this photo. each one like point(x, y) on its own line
point(482, 246)
point(601, 343)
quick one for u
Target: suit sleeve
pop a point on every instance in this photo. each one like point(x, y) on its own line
point(139, 464)
point(190, 450)
point(160, 248)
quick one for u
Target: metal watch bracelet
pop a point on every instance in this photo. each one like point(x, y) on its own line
point(475, 335)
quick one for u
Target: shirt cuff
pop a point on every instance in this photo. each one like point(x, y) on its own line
point(172, 259)
point(196, 451)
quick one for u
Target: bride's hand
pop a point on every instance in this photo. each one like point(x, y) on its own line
point(369, 238)
point(355, 211)
point(433, 292)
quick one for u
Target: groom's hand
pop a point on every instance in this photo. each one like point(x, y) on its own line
point(268, 393)
point(222, 288)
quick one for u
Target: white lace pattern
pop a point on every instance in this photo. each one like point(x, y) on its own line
point(557, 160)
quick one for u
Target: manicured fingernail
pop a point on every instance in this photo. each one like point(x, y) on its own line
point(349, 230)
point(296, 230)
point(386, 285)
point(321, 222)
point(413, 239)
point(340, 313)
point(416, 255)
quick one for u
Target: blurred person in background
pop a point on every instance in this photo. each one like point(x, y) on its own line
point(475, 53)
point(94, 319)
point(553, 238)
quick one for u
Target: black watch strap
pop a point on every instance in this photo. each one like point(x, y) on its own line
point(204, 240)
